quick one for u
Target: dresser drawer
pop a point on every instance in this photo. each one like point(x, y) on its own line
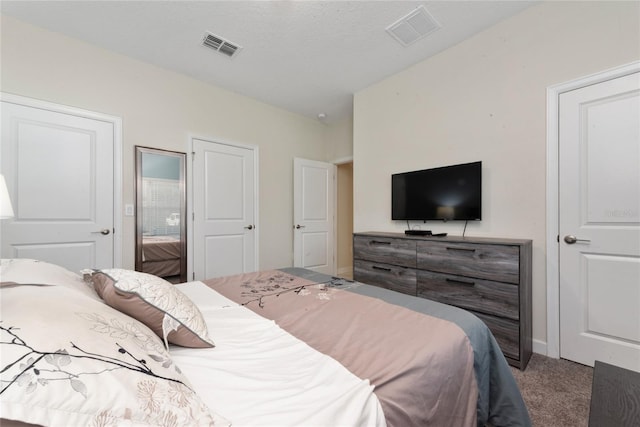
point(386, 276)
point(506, 333)
point(485, 261)
point(480, 295)
point(385, 250)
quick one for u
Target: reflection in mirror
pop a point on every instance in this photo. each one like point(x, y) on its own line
point(161, 246)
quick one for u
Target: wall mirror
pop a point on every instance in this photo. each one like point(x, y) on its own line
point(161, 246)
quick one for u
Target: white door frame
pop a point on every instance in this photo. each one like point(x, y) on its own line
point(190, 217)
point(117, 155)
point(553, 164)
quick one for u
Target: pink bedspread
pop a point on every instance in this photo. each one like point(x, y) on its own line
point(160, 248)
point(161, 255)
point(421, 366)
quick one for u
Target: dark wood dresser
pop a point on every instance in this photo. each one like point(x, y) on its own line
point(489, 277)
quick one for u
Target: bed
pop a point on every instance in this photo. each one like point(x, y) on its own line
point(281, 348)
point(161, 255)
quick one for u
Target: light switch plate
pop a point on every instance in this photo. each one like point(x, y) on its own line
point(128, 210)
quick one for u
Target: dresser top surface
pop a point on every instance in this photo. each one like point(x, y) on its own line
point(449, 238)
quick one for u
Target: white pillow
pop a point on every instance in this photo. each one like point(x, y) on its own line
point(70, 360)
point(31, 271)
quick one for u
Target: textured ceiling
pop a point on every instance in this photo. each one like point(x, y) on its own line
point(308, 57)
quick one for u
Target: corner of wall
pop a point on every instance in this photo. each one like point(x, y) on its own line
point(338, 140)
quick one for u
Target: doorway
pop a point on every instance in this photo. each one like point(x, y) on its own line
point(344, 220)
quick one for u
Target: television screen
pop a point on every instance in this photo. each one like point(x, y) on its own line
point(447, 193)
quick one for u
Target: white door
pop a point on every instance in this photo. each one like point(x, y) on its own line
point(224, 209)
point(599, 201)
point(59, 169)
point(313, 215)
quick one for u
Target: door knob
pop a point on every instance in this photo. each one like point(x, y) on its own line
point(573, 239)
point(104, 231)
point(249, 227)
point(298, 226)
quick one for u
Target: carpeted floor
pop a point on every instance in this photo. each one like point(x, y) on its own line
point(557, 392)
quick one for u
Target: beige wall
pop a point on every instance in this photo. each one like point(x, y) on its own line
point(161, 109)
point(485, 99)
point(339, 140)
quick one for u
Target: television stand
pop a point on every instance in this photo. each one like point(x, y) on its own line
point(418, 232)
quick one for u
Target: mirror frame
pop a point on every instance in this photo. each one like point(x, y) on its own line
point(139, 152)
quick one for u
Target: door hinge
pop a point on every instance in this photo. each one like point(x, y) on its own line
point(558, 238)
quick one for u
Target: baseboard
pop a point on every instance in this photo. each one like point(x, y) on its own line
point(539, 347)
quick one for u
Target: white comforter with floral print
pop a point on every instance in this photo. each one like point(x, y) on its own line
point(261, 375)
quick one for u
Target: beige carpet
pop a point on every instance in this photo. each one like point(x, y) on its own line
point(557, 392)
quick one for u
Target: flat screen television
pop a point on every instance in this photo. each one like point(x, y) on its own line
point(446, 193)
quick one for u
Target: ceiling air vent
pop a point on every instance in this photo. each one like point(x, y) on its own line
point(220, 45)
point(413, 27)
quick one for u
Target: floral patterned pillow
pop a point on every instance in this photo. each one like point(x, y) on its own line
point(31, 271)
point(156, 303)
point(67, 359)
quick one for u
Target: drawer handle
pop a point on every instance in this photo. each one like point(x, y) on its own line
point(461, 282)
point(375, 267)
point(379, 242)
point(451, 248)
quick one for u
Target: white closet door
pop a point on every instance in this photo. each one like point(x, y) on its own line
point(314, 189)
point(60, 172)
point(600, 223)
point(224, 206)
